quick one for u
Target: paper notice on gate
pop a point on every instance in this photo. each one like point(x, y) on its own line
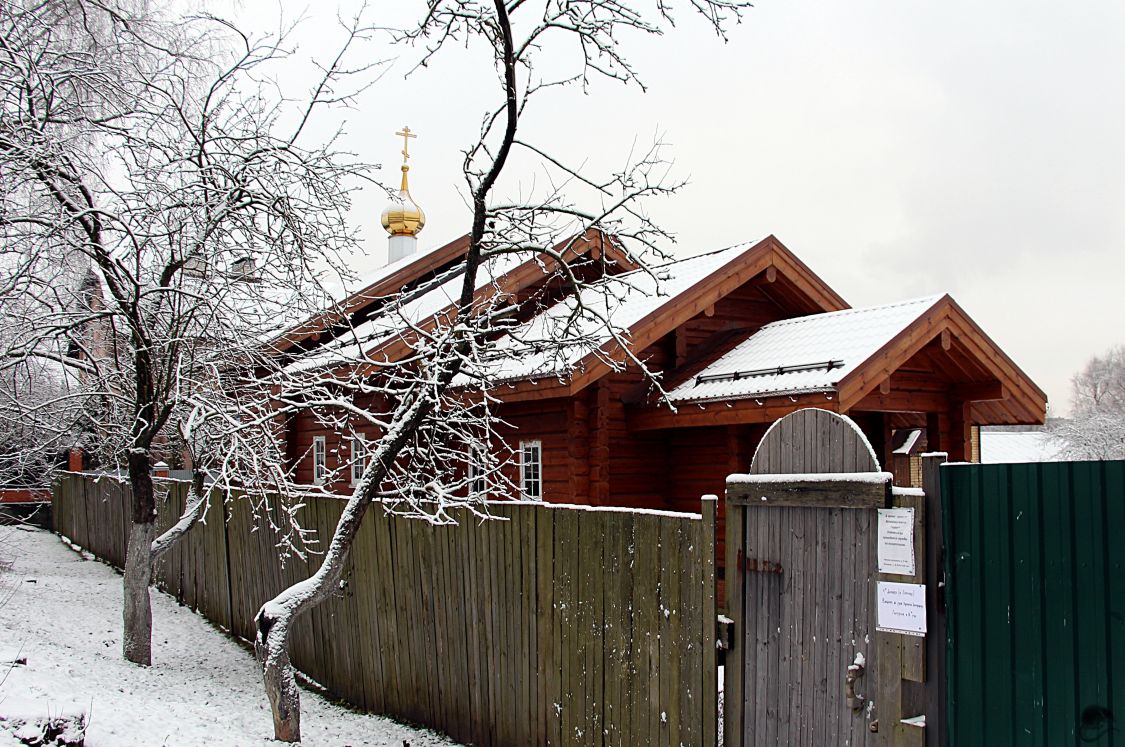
point(896, 541)
point(902, 608)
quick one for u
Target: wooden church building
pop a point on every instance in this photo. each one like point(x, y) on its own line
point(740, 337)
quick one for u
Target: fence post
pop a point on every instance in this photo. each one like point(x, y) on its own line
point(733, 582)
point(710, 674)
point(900, 658)
point(935, 685)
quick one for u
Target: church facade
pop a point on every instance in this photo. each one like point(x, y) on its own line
point(742, 338)
point(739, 338)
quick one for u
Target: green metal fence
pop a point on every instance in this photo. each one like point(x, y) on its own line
point(1036, 603)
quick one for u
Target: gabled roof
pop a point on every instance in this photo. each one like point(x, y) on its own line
point(787, 362)
point(418, 289)
point(807, 354)
point(623, 299)
point(647, 308)
point(382, 283)
point(967, 353)
point(907, 441)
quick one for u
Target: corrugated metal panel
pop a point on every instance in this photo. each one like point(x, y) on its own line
point(1036, 593)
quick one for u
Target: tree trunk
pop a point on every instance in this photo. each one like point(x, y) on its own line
point(194, 510)
point(138, 609)
point(137, 643)
point(271, 646)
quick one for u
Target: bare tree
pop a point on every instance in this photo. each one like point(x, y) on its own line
point(160, 216)
point(1096, 427)
point(37, 420)
point(419, 376)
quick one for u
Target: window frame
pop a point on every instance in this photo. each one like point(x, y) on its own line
point(537, 478)
point(359, 456)
point(475, 473)
point(319, 460)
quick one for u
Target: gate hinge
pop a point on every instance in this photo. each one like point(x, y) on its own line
point(754, 565)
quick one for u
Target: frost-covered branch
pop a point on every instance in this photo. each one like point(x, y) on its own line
point(1096, 427)
point(161, 215)
point(409, 391)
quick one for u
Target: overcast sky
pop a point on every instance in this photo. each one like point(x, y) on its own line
point(899, 148)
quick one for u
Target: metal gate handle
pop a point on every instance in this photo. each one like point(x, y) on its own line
point(855, 671)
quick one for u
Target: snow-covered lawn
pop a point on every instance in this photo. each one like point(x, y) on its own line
point(63, 613)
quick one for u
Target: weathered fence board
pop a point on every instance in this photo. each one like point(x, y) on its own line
point(813, 441)
point(548, 625)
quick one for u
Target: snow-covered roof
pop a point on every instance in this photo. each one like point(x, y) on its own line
point(806, 354)
point(909, 440)
point(381, 274)
point(578, 324)
point(413, 309)
point(1007, 447)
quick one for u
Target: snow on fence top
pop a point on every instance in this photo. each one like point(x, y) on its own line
point(866, 478)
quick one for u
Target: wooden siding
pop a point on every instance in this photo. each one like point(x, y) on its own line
point(548, 422)
point(551, 626)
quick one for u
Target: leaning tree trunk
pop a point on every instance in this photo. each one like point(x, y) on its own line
point(137, 614)
point(271, 644)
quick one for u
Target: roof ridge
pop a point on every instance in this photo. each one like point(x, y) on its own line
point(930, 300)
point(654, 269)
point(713, 252)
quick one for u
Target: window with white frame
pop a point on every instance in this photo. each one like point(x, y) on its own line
point(531, 470)
point(478, 485)
point(320, 464)
point(359, 457)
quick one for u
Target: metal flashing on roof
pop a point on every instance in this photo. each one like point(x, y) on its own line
point(772, 371)
point(846, 339)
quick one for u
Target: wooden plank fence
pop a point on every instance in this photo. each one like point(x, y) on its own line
point(552, 625)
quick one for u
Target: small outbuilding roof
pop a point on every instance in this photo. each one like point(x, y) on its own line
point(907, 441)
point(1015, 447)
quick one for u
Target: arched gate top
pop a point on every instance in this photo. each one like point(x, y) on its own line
point(812, 441)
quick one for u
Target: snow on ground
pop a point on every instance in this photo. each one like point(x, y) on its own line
point(63, 613)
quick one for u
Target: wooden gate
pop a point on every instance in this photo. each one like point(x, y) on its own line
point(801, 555)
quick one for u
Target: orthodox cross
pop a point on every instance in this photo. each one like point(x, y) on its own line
point(405, 134)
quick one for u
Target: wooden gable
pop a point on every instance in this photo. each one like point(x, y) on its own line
point(762, 283)
point(959, 364)
point(941, 363)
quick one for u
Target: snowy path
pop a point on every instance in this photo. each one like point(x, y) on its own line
point(64, 614)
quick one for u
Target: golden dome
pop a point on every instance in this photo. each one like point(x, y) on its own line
point(403, 217)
